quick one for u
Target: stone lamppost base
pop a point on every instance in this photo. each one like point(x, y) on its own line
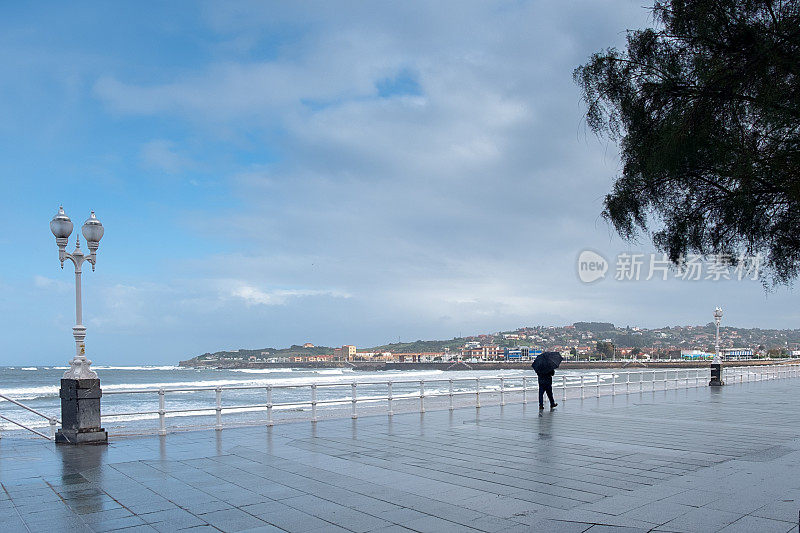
point(80, 413)
point(716, 376)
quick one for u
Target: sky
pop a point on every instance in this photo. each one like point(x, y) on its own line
point(273, 173)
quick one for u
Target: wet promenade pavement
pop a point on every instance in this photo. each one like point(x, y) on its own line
point(685, 460)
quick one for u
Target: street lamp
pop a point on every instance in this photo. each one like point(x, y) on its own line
point(717, 320)
point(80, 388)
point(92, 230)
point(716, 363)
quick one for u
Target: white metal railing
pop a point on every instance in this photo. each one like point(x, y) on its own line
point(52, 421)
point(610, 381)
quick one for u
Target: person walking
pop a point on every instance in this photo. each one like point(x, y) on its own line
point(546, 386)
point(545, 366)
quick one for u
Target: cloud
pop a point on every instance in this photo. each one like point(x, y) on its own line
point(43, 282)
point(163, 155)
point(255, 296)
point(426, 168)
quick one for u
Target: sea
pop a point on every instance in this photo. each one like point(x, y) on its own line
point(136, 413)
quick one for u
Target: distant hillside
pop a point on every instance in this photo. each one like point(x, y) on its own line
point(594, 327)
point(547, 337)
point(419, 346)
point(292, 351)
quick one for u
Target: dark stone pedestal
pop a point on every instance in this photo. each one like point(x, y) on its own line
point(80, 413)
point(716, 376)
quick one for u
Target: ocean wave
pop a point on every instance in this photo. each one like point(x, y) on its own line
point(265, 370)
point(30, 393)
point(147, 367)
point(29, 368)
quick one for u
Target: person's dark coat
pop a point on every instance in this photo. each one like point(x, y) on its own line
point(546, 378)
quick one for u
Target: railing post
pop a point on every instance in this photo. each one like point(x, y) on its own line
point(641, 381)
point(421, 396)
point(524, 390)
point(613, 384)
point(162, 428)
point(53, 423)
point(389, 398)
point(564, 388)
point(696, 377)
point(582, 384)
point(597, 385)
point(654, 381)
point(451, 395)
point(477, 393)
point(269, 406)
point(219, 409)
point(502, 392)
point(353, 414)
point(313, 402)
point(627, 382)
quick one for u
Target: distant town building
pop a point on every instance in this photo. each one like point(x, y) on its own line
point(737, 353)
point(308, 345)
point(521, 353)
point(348, 352)
point(488, 353)
point(696, 354)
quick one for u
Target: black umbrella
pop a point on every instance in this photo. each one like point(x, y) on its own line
point(546, 362)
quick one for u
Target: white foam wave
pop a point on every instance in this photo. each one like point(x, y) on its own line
point(29, 368)
point(148, 367)
point(29, 393)
point(265, 370)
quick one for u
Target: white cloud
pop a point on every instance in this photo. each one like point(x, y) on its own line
point(256, 296)
point(163, 155)
point(43, 282)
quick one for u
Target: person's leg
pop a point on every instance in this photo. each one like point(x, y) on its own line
point(550, 394)
point(541, 394)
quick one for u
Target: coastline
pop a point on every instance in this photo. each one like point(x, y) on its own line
point(484, 365)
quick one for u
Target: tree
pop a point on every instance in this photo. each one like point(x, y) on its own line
point(706, 109)
point(605, 349)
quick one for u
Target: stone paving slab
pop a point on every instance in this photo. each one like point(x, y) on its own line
point(673, 461)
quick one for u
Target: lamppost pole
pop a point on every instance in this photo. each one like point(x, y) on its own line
point(80, 388)
point(716, 363)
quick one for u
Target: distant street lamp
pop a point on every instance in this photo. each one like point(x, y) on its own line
point(92, 230)
point(717, 320)
point(716, 363)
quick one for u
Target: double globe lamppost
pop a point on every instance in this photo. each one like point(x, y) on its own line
point(80, 387)
point(716, 363)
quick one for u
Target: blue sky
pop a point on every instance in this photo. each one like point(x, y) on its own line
point(275, 173)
